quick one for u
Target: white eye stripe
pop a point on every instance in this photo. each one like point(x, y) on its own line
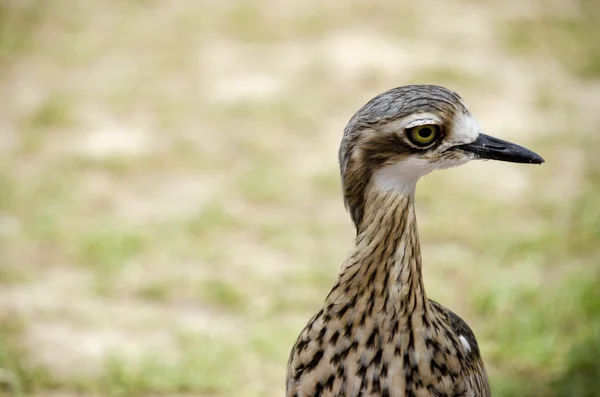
point(410, 121)
point(421, 122)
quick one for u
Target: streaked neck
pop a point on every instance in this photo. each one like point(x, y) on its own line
point(385, 266)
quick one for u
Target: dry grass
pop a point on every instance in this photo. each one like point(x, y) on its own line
point(170, 214)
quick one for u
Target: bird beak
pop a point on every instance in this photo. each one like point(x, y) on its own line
point(488, 147)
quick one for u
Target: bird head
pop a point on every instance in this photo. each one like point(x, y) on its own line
point(407, 132)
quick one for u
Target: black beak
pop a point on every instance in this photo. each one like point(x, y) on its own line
point(488, 147)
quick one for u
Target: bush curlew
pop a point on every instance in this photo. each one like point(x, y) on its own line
point(377, 334)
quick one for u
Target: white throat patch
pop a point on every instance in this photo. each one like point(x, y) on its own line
point(402, 177)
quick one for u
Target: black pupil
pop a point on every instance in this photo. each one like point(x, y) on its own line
point(425, 132)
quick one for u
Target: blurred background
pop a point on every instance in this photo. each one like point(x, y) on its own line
point(170, 206)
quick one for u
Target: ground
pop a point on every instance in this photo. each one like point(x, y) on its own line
point(170, 210)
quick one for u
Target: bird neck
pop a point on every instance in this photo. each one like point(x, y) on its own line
point(385, 266)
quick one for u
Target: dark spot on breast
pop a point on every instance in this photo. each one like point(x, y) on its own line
point(312, 364)
point(377, 358)
point(299, 371)
point(363, 319)
point(397, 351)
point(335, 359)
point(341, 372)
point(334, 338)
point(440, 367)
point(301, 345)
point(318, 390)
point(384, 370)
point(322, 333)
point(329, 383)
point(348, 331)
point(375, 385)
point(343, 310)
point(361, 371)
point(374, 336)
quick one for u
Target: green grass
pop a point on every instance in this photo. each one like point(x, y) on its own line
point(19, 376)
point(109, 249)
point(549, 346)
point(206, 366)
point(573, 40)
point(230, 280)
point(450, 77)
point(222, 293)
point(17, 29)
point(159, 291)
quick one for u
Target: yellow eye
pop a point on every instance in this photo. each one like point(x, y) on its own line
point(423, 135)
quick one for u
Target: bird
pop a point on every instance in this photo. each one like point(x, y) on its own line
point(377, 334)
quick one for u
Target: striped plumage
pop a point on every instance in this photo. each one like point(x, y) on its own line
point(377, 334)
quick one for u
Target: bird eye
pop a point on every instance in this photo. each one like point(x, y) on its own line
point(423, 135)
